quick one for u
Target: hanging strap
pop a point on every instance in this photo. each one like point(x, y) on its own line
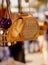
point(7, 13)
point(8, 8)
point(19, 5)
point(2, 8)
point(2, 3)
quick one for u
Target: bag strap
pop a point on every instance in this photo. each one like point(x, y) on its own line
point(2, 7)
point(8, 8)
point(7, 13)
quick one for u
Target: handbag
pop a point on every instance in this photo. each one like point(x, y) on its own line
point(5, 23)
point(24, 28)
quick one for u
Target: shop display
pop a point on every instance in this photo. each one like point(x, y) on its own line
point(19, 28)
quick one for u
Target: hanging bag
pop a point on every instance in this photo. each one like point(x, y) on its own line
point(5, 21)
point(24, 28)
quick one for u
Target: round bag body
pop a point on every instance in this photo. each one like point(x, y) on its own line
point(30, 30)
point(24, 28)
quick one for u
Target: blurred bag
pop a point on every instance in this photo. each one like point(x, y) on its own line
point(24, 28)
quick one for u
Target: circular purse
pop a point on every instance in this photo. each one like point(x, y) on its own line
point(30, 29)
point(25, 28)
